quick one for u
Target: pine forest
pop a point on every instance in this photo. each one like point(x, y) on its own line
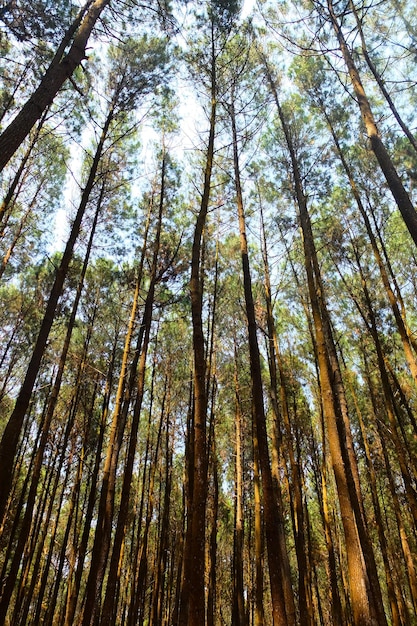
point(208, 313)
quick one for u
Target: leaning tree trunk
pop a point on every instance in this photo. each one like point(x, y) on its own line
point(366, 603)
point(399, 315)
point(37, 465)
point(394, 182)
point(10, 438)
point(61, 68)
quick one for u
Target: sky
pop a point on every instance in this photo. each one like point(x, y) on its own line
point(247, 7)
point(188, 142)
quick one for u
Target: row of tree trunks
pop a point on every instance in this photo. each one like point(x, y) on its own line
point(363, 583)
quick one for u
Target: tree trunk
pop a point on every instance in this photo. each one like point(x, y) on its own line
point(60, 69)
point(238, 609)
point(272, 515)
point(10, 438)
point(114, 570)
point(366, 607)
point(394, 182)
point(192, 610)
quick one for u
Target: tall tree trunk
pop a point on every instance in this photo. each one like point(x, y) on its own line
point(10, 438)
point(403, 328)
point(113, 575)
point(160, 591)
point(380, 81)
point(258, 530)
point(61, 68)
point(396, 619)
point(396, 504)
point(366, 600)
point(20, 176)
point(295, 492)
point(102, 538)
point(122, 400)
point(75, 585)
point(238, 609)
point(394, 182)
point(272, 514)
point(192, 610)
point(401, 444)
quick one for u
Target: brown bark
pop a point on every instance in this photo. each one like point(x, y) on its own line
point(259, 618)
point(399, 315)
point(394, 182)
point(272, 514)
point(238, 609)
point(212, 552)
point(192, 610)
point(366, 607)
point(114, 570)
point(295, 489)
point(336, 604)
point(10, 438)
point(396, 505)
point(81, 550)
point(60, 69)
point(53, 398)
point(161, 593)
point(396, 619)
point(19, 177)
point(401, 445)
point(380, 81)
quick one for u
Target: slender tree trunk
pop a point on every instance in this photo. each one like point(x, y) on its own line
point(259, 618)
point(53, 398)
point(336, 604)
point(114, 570)
point(396, 619)
point(295, 491)
point(160, 592)
point(212, 571)
point(401, 444)
point(403, 329)
point(380, 81)
point(75, 585)
point(193, 611)
point(10, 438)
point(20, 176)
point(272, 515)
point(366, 604)
point(397, 507)
point(61, 68)
point(394, 182)
point(238, 610)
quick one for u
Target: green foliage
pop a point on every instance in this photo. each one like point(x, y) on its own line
point(224, 13)
point(40, 19)
point(135, 72)
point(139, 67)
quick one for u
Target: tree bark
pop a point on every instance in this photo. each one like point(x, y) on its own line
point(192, 610)
point(10, 438)
point(60, 69)
point(272, 515)
point(394, 182)
point(366, 607)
